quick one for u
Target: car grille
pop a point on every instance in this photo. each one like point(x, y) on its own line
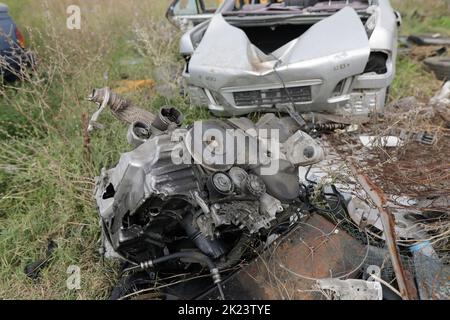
point(272, 96)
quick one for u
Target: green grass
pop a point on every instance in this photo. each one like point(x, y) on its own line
point(46, 177)
point(419, 17)
point(412, 79)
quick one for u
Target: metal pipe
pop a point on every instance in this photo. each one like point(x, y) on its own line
point(193, 255)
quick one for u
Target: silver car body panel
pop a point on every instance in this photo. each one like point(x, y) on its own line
point(382, 39)
point(187, 22)
point(332, 52)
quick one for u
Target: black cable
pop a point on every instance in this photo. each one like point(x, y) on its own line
point(335, 194)
point(306, 176)
point(336, 208)
point(194, 255)
point(235, 254)
point(304, 126)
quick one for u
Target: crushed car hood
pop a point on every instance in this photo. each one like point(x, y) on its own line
point(334, 48)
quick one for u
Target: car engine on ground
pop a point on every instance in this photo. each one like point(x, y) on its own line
point(201, 193)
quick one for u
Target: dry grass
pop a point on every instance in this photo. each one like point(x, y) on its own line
point(46, 169)
point(46, 179)
point(424, 16)
point(414, 170)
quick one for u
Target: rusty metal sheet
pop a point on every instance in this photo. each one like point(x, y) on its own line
point(316, 249)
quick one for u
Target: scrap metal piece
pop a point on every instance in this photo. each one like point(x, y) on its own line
point(352, 289)
point(373, 272)
point(270, 205)
point(219, 185)
point(302, 149)
point(138, 133)
point(364, 215)
point(255, 186)
point(424, 137)
point(314, 250)
point(102, 103)
point(238, 176)
point(407, 289)
point(121, 108)
point(168, 117)
point(144, 198)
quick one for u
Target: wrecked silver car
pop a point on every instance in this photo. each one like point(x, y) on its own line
point(315, 57)
point(200, 194)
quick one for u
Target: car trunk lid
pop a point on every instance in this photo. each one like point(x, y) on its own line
point(334, 48)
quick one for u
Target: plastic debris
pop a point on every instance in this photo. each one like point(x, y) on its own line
point(352, 289)
point(381, 142)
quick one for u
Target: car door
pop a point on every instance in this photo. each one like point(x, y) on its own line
point(186, 14)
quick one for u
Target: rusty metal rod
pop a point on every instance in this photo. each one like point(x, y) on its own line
point(407, 289)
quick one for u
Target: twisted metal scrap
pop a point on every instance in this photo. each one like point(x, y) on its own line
point(121, 108)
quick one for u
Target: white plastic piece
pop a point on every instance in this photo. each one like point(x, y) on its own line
point(384, 141)
point(353, 289)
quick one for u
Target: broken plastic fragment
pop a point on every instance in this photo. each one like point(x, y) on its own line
point(352, 289)
point(382, 142)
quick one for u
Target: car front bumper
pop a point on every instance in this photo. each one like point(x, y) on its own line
point(322, 71)
point(361, 95)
